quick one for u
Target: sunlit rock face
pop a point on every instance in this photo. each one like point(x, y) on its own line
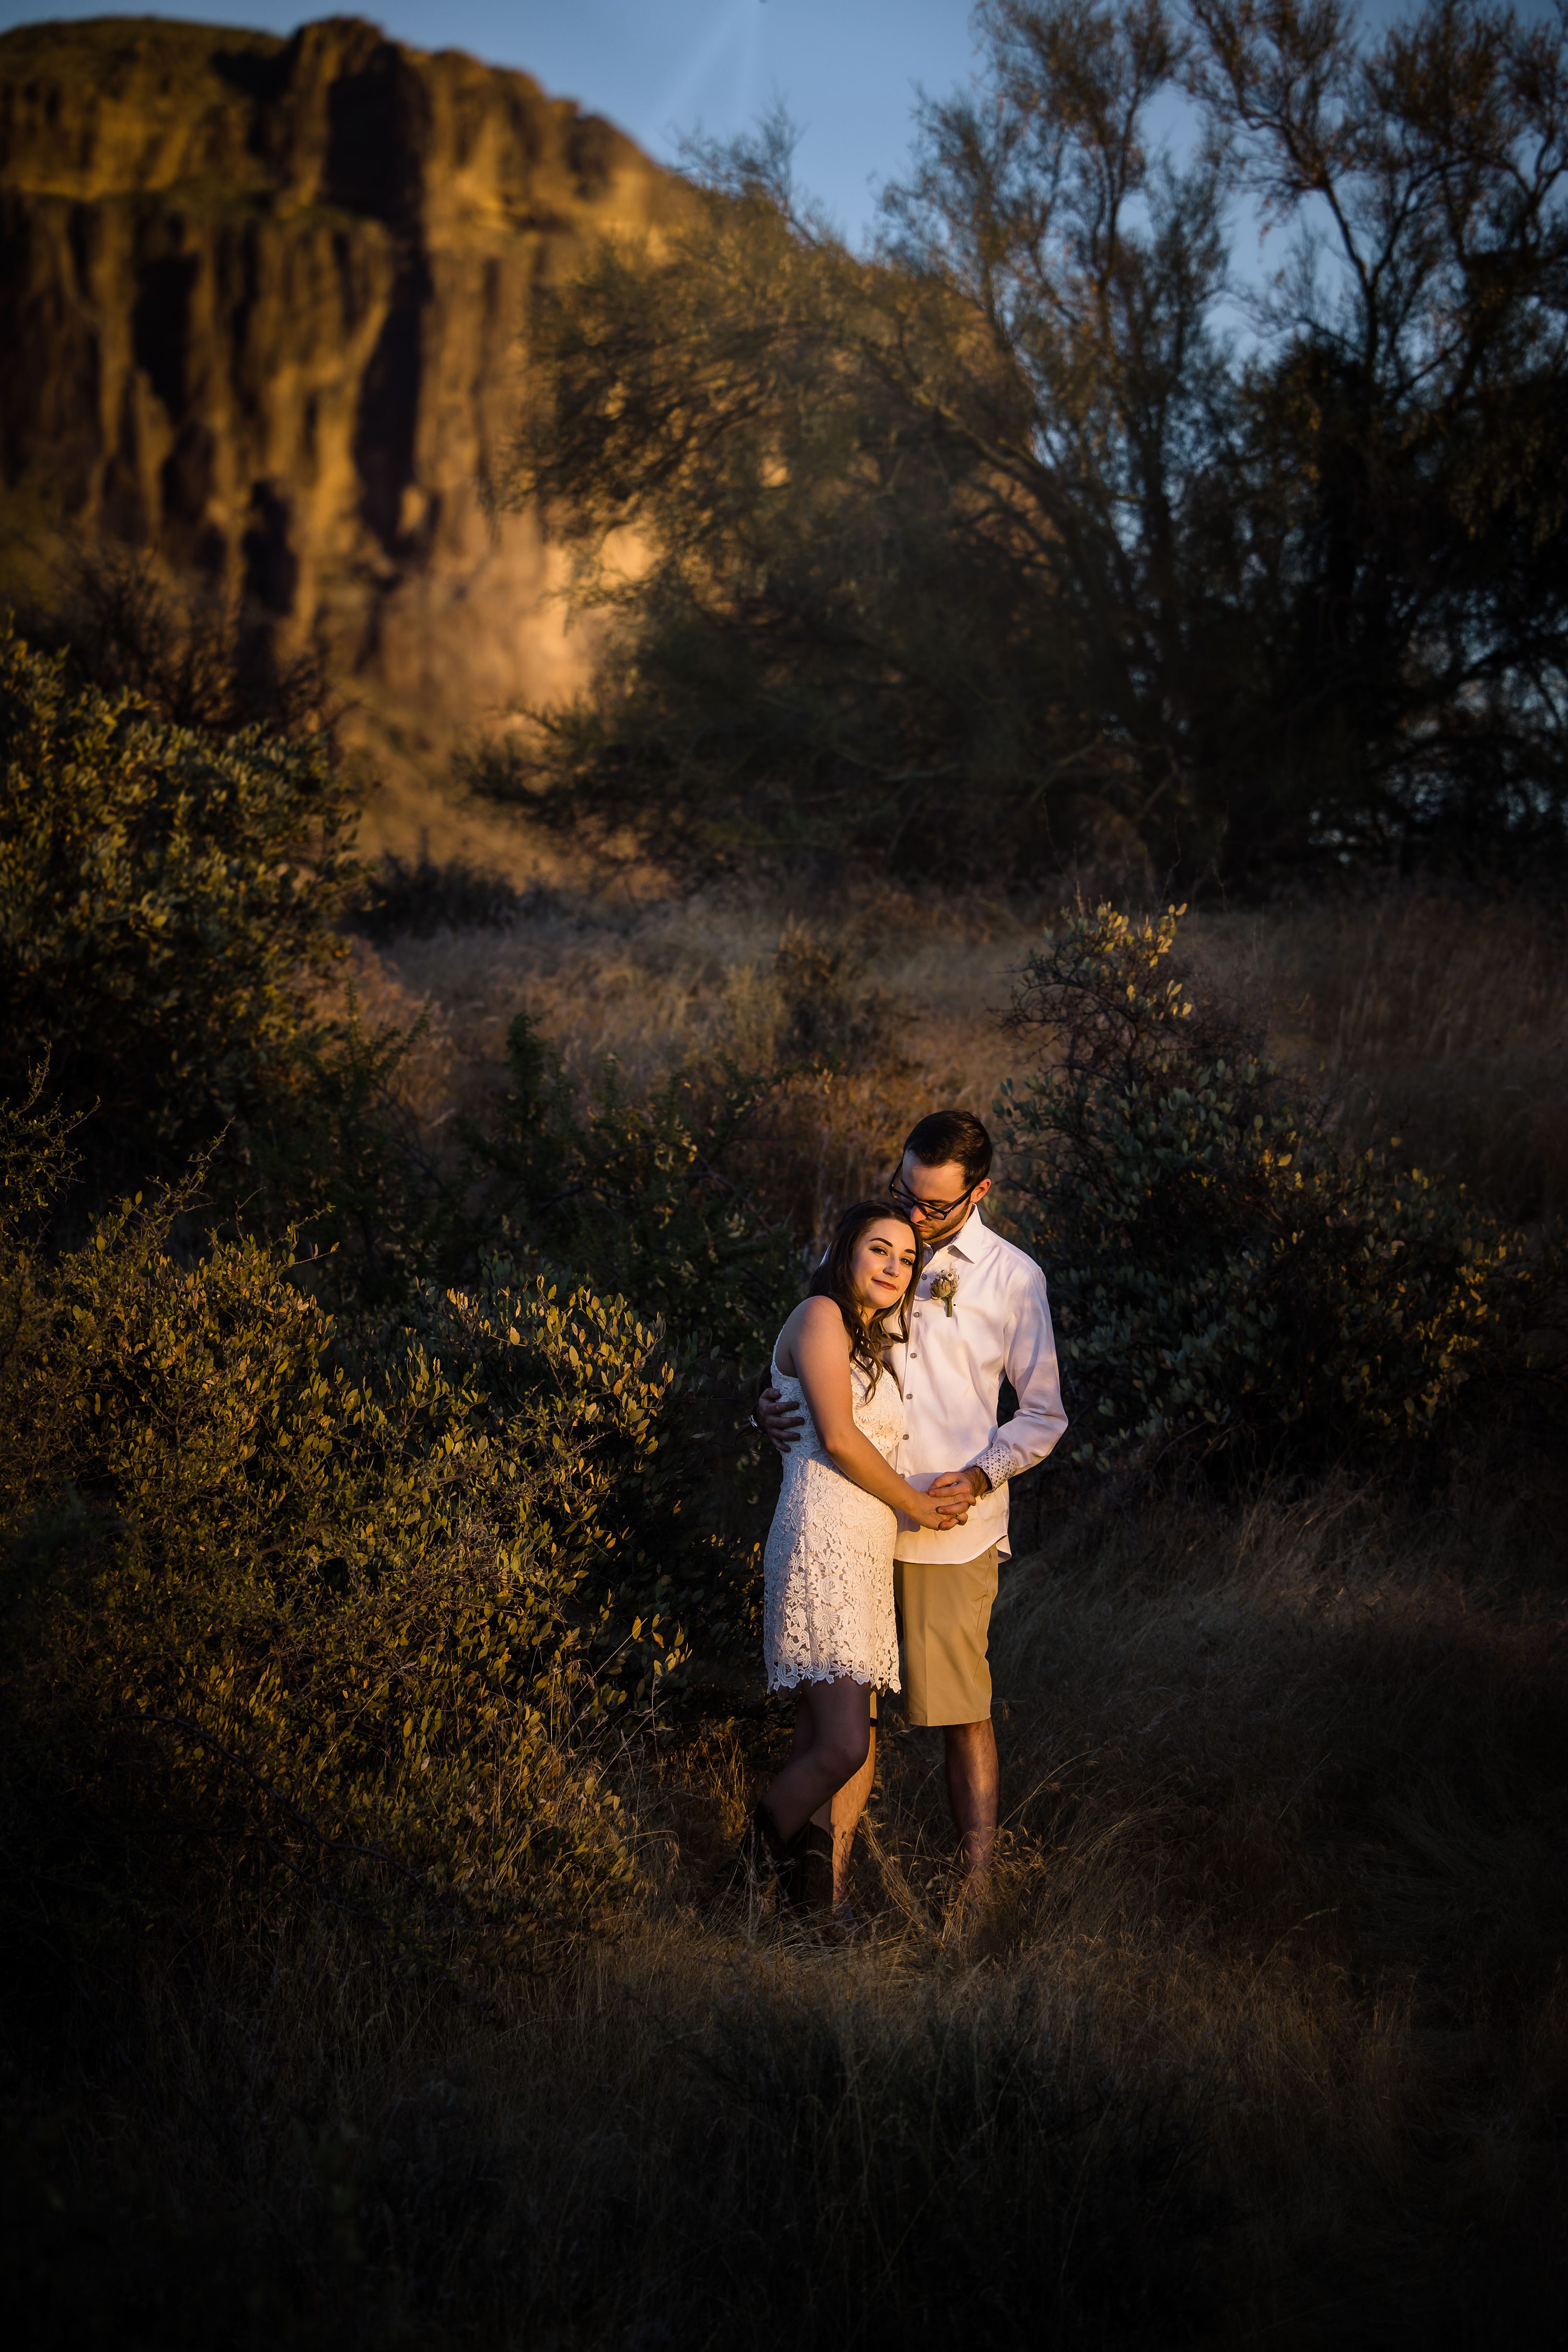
point(262, 305)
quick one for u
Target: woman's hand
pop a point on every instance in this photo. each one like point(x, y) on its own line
point(821, 1347)
point(936, 1513)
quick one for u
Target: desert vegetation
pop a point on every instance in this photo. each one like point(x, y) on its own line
point(388, 1257)
point(376, 1731)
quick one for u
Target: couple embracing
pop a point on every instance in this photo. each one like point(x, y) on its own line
point(893, 1511)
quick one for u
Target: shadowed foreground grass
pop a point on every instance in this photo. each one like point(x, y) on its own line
point(1265, 2039)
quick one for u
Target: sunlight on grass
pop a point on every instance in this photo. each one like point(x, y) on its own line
point(1431, 1020)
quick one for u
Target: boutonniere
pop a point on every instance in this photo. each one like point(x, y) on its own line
point(945, 1287)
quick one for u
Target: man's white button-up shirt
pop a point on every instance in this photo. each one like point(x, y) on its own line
point(951, 1370)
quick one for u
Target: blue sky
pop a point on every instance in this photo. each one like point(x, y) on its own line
point(846, 69)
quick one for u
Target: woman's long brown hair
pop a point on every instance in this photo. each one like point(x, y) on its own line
point(867, 1341)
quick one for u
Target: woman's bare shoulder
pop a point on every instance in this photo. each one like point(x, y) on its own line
point(814, 1321)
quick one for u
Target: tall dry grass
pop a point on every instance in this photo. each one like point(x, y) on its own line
point(1417, 1017)
point(1430, 1018)
point(1263, 2040)
point(902, 996)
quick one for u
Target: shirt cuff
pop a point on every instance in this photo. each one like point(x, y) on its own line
point(998, 1461)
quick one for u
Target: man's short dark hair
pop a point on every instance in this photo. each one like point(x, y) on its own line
point(945, 1135)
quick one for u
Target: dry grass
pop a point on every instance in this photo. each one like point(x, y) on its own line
point(1263, 2040)
point(1430, 1019)
point(1421, 1018)
point(913, 989)
point(650, 981)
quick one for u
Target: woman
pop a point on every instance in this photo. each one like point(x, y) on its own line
point(828, 1632)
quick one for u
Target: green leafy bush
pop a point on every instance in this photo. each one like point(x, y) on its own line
point(346, 1160)
point(1226, 1282)
point(646, 1199)
point(164, 901)
point(323, 1603)
point(649, 1201)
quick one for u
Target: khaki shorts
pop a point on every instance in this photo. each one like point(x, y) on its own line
point(945, 1615)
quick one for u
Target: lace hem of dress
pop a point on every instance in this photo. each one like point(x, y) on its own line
point(790, 1677)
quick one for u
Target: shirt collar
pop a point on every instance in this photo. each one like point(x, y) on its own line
point(973, 1239)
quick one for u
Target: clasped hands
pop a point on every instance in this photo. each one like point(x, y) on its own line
point(954, 1494)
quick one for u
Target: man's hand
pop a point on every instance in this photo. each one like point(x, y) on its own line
point(780, 1420)
point(956, 1490)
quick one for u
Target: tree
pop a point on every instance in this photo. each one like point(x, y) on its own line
point(1007, 522)
point(822, 644)
point(1405, 486)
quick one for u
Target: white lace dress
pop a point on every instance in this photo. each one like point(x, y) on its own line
point(827, 1572)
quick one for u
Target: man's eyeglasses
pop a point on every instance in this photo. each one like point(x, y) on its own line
point(937, 1212)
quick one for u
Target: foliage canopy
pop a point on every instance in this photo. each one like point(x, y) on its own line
point(1046, 512)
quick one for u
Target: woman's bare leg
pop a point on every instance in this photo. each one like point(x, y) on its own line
point(830, 1747)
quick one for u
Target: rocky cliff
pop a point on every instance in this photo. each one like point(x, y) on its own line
point(262, 306)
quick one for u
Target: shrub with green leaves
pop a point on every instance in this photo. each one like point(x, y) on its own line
point(1226, 1282)
point(646, 1198)
point(164, 897)
point(340, 1608)
point(648, 1201)
point(347, 1162)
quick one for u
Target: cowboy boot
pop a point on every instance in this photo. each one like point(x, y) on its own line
point(766, 1858)
point(811, 1892)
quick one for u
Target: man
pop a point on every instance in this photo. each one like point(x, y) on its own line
point(980, 1312)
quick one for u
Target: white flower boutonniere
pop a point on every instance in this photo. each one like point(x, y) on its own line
point(945, 1287)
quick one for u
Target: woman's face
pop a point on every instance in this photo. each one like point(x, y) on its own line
point(882, 1265)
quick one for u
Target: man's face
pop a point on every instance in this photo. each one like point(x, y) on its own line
point(944, 1188)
